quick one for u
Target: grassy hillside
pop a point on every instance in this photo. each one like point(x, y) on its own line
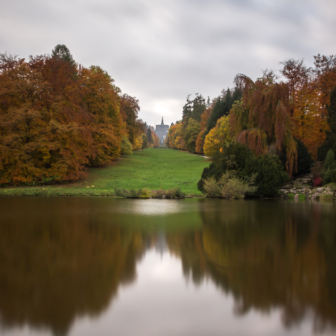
point(152, 168)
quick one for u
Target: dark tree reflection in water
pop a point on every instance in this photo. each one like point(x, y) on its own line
point(278, 255)
point(63, 260)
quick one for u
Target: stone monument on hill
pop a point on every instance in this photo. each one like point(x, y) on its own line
point(161, 131)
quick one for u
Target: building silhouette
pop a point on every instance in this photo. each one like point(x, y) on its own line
point(161, 131)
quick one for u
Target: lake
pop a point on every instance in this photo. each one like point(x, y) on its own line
point(106, 266)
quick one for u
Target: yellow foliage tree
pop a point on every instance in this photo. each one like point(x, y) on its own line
point(217, 137)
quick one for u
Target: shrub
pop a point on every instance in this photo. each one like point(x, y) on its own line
point(329, 168)
point(229, 186)
point(158, 193)
point(125, 146)
point(270, 173)
point(145, 193)
point(211, 187)
point(234, 187)
point(234, 157)
point(127, 193)
point(175, 192)
point(317, 182)
point(327, 197)
point(302, 197)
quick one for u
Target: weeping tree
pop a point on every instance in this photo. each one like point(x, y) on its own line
point(261, 120)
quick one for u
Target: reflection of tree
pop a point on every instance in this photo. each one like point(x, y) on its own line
point(268, 255)
point(53, 271)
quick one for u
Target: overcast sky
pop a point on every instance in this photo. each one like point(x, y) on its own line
point(161, 51)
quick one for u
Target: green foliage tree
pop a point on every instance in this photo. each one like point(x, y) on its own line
point(330, 141)
point(270, 173)
point(149, 135)
point(144, 141)
point(198, 107)
point(193, 109)
point(62, 52)
point(191, 134)
point(304, 161)
point(125, 146)
point(329, 168)
point(223, 106)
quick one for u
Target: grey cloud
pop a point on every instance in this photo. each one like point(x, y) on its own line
point(160, 51)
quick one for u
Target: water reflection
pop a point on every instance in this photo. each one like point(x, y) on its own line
point(63, 260)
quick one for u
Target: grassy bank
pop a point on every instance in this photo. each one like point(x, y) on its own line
point(152, 168)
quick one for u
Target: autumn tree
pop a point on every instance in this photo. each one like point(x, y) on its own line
point(201, 136)
point(218, 137)
point(129, 109)
point(56, 119)
point(265, 107)
point(306, 108)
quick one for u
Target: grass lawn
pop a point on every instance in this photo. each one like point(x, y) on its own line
point(152, 168)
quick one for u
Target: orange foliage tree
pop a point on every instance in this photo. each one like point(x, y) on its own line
point(56, 118)
point(309, 92)
point(201, 136)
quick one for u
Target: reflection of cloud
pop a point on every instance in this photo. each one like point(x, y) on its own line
point(153, 207)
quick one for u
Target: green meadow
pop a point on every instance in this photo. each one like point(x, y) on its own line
point(152, 168)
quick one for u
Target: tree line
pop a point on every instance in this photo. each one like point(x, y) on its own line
point(57, 118)
point(292, 118)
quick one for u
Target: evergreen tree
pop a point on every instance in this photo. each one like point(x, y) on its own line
point(304, 160)
point(198, 107)
point(329, 168)
point(187, 109)
point(62, 52)
point(149, 135)
point(330, 141)
point(238, 157)
point(223, 106)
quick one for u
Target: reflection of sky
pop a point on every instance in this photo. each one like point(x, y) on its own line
point(153, 206)
point(163, 303)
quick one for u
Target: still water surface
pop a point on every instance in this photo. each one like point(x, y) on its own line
point(103, 266)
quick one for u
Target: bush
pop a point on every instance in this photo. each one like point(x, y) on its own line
point(229, 186)
point(158, 193)
point(211, 187)
point(270, 172)
point(233, 158)
point(125, 146)
point(145, 193)
point(329, 168)
point(127, 193)
point(175, 192)
point(327, 197)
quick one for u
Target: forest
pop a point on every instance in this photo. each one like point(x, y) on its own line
point(268, 130)
point(57, 118)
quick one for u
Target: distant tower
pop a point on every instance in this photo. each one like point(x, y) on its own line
point(161, 131)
